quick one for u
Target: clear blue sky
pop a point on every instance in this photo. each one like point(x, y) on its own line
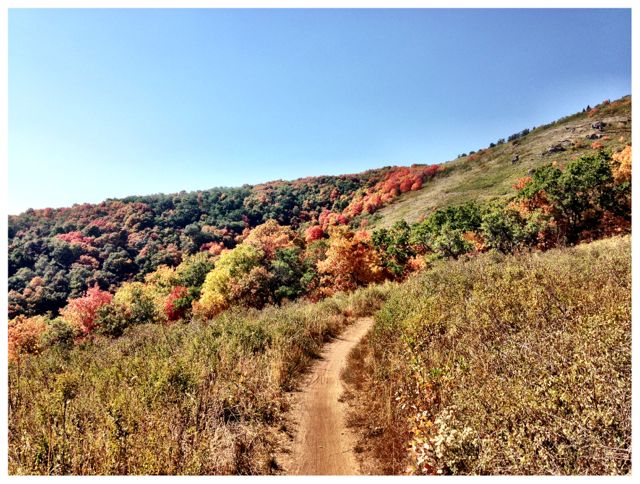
point(110, 103)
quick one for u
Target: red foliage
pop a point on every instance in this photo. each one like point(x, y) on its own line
point(405, 185)
point(314, 232)
point(172, 307)
point(87, 260)
point(356, 208)
point(81, 312)
point(75, 238)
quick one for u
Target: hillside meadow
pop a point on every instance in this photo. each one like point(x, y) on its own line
point(501, 365)
point(195, 398)
point(165, 334)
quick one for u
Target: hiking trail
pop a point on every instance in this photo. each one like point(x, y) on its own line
point(322, 444)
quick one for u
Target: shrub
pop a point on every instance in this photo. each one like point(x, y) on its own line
point(81, 312)
point(195, 398)
point(25, 335)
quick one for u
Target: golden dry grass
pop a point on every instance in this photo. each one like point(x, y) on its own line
point(196, 398)
point(502, 365)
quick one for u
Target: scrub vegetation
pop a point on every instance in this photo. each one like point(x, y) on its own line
point(162, 334)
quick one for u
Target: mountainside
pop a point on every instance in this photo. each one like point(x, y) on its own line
point(491, 172)
point(57, 254)
point(165, 334)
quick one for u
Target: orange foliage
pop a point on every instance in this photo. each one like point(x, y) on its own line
point(521, 183)
point(213, 248)
point(350, 261)
point(475, 239)
point(596, 145)
point(622, 165)
point(25, 335)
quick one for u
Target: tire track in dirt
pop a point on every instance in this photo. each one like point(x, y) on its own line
point(322, 444)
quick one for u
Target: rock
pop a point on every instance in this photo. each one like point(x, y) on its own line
point(555, 148)
point(594, 136)
point(599, 125)
point(515, 159)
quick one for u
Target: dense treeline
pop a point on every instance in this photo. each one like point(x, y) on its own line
point(57, 254)
point(587, 199)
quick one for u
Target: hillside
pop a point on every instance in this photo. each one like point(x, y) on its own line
point(490, 173)
point(58, 254)
point(166, 334)
point(501, 365)
point(493, 364)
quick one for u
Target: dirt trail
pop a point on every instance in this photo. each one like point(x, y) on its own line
point(323, 445)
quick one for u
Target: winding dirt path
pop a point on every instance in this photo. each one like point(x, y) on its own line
point(323, 445)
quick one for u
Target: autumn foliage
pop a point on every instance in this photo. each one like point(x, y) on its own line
point(350, 261)
point(622, 165)
point(589, 198)
point(177, 303)
point(25, 335)
point(72, 249)
point(81, 312)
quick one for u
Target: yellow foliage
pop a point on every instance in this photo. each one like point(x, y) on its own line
point(216, 291)
point(163, 278)
point(132, 294)
point(269, 237)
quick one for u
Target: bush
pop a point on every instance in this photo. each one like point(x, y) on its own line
point(59, 333)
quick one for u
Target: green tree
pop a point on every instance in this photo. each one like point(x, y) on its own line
point(578, 195)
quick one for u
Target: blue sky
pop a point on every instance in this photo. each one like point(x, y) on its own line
point(110, 103)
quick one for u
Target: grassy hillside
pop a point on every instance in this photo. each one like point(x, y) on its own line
point(488, 364)
point(58, 254)
point(490, 173)
point(196, 398)
point(501, 365)
point(160, 335)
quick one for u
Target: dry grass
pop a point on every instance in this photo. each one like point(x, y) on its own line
point(198, 398)
point(502, 365)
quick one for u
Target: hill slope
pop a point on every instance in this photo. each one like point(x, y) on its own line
point(59, 254)
point(494, 343)
point(490, 173)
